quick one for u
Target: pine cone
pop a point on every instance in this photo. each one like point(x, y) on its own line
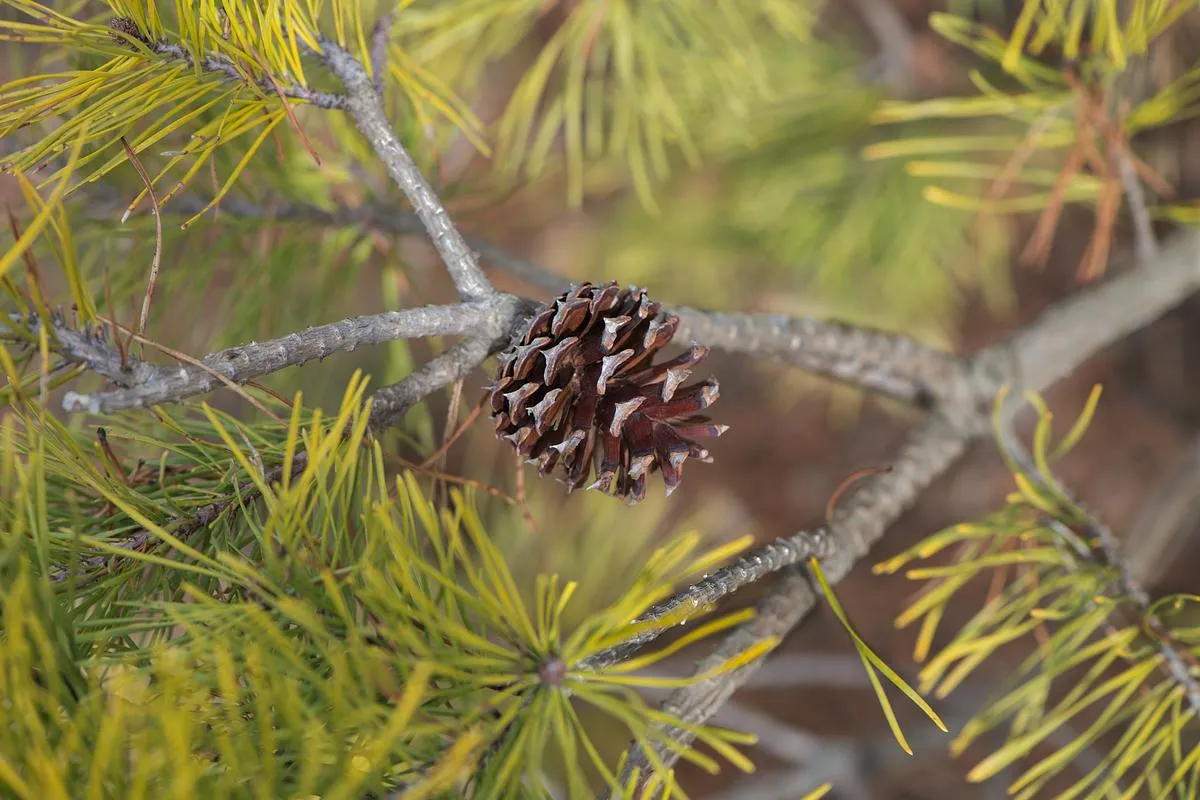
point(579, 391)
point(128, 27)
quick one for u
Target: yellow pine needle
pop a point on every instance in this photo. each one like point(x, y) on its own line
point(453, 765)
point(872, 662)
point(45, 214)
point(701, 632)
point(819, 792)
point(273, 120)
point(1081, 425)
point(753, 653)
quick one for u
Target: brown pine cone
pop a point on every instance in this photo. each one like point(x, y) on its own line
point(579, 391)
point(128, 27)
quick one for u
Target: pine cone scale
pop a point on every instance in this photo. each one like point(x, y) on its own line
point(557, 357)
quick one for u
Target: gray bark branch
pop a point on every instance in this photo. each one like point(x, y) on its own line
point(1069, 333)
point(855, 528)
point(365, 107)
point(874, 360)
point(146, 384)
point(220, 65)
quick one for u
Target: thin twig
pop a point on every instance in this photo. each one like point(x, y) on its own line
point(523, 498)
point(450, 431)
point(387, 220)
point(123, 357)
point(365, 106)
point(217, 63)
point(421, 469)
point(439, 463)
point(436, 459)
point(1143, 229)
point(156, 261)
point(287, 108)
point(895, 39)
point(855, 527)
point(110, 457)
point(380, 37)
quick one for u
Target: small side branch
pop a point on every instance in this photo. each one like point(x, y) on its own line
point(90, 568)
point(365, 106)
point(930, 452)
point(148, 385)
point(850, 534)
point(1109, 554)
point(398, 223)
point(492, 332)
point(780, 554)
point(220, 65)
point(391, 403)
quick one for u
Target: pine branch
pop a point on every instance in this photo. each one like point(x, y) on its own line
point(1177, 662)
point(1049, 348)
point(379, 47)
point(148, 385)
point(1069, 333)
point(960, 391)
point(365, 106)
point(91, 568)
point(219, 64)
point(92, 348)
point(389, 405)
point(873, 360)
point(893, 64)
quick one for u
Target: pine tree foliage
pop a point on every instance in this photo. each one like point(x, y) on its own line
point(219, 73)
point(1106, 664)
point(1063, 110)
point(204, 109)
point(620, 80)
point(344, 635)
point(272, 603)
